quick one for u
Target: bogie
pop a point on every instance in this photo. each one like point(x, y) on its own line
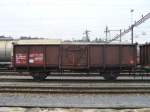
point(39, 76)
point(110, 75)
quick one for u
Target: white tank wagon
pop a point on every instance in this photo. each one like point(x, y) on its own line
point(5, 51)
point(6, 47)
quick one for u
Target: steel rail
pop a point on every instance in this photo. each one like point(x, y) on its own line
point(75, 87)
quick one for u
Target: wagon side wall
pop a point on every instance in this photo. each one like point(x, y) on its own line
point(36, 56)
point(112, 56)
point(74, 56)
point(145, 55)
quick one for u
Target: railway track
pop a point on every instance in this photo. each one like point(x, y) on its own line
point(73, 83)
point(28, 86)
point(76, 79)
point(75, 89)
point(125, 73)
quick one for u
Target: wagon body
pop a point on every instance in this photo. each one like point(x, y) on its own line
point(113, 56)
point(145, 56)
point(73, 56)
point(36, 57)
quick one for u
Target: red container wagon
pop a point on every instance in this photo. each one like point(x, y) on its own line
point(111, 59)
point(145, 57)
point(106, 59)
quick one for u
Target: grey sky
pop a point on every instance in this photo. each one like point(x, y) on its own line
point(67, 19)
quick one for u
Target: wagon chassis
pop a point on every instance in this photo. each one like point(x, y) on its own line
point(107, 74)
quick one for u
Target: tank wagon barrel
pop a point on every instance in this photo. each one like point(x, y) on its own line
point(5, 52)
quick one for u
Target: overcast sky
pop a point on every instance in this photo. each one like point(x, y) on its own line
point(68, 19)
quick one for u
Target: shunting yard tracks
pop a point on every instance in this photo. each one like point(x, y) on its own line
point(95, 86)
point(26, 87)
point(56, 83)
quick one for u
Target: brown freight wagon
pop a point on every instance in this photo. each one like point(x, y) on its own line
point(106, 59)
point(145, 56)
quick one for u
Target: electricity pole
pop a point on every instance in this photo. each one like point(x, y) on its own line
point(132, 26)
point(87, 38)
point(119, 33)
point(106, 32)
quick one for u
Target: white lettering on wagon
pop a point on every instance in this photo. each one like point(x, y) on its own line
point(36, 58)
point(21, 58)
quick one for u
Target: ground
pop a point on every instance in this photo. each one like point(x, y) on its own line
point(18, 109)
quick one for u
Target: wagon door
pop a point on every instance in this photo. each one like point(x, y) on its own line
point(74, 56)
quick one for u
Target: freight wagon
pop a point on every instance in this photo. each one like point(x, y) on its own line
point(6, 47)
point(145, 57)
point(106, 59)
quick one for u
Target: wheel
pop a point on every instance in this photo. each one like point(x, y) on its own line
point(39, 76)
point(110, 75)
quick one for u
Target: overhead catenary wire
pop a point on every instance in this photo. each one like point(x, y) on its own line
point(137, 23)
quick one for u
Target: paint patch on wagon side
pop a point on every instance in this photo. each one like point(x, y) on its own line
point(36, 58)
point(21, 58)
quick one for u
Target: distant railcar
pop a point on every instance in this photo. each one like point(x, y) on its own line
point(106, 59)
point(145, 57)
point(5, 52)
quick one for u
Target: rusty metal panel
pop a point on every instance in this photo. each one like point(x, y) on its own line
point(111, 55)
point(128, 54)
point(120, 55)
point(36, 55)
point(29, 55)
point(96, 55)
point(148, 55)
point(20, 56)
point(74, 56)
point(52, 55)
point(142, 55)
point(145, 55)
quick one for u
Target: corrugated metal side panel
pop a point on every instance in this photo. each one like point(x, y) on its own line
point(111, 55)
point(96, 55)
point(142, 55)
point(52, 55)
point(28, 56)
point(74, 56)
point(20, 56)
point(145, 55)
point(148, 55)
point(36, 55)
point(128, 55)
